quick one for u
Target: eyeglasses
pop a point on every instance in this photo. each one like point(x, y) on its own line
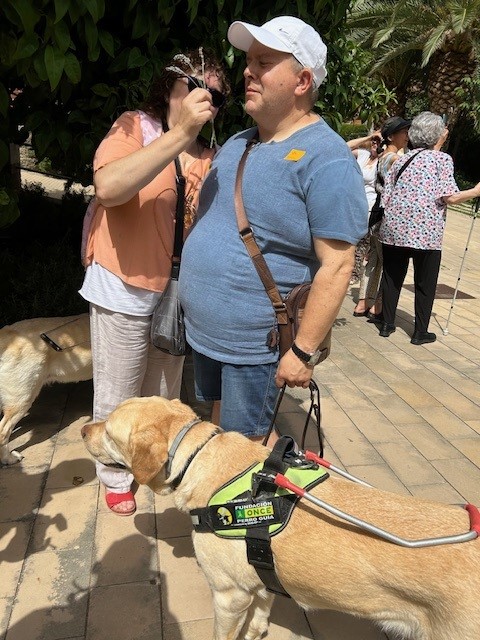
point(218, 98)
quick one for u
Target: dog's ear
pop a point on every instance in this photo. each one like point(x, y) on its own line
point(149, 453)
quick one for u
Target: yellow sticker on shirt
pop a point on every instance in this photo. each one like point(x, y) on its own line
point(294, 155)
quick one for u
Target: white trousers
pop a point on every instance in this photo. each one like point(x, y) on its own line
point(127, 365)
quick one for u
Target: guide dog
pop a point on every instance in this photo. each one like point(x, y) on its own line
point(322, 562)
point(28, 362)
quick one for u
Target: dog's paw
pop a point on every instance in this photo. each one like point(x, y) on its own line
point(255, 635)
point(257, 630)
point(11, 457)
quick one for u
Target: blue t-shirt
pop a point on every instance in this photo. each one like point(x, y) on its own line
point(307, 185)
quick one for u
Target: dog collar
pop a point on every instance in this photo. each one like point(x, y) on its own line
point(178, 439)
point(177, 480)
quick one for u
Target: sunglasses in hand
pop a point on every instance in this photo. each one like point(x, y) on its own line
point(218, 98)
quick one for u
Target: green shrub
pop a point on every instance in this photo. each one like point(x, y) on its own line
point(463, 181)
point(41, 282)
point(350, 131)
point(40, 258)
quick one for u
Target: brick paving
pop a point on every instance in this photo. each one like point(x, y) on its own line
point(404, 418)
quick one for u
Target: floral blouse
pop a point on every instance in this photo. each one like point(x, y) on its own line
point(415, 211)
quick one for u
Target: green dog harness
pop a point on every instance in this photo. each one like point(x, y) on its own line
point(253, 507)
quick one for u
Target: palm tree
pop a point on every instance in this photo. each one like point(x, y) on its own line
point(441, 37)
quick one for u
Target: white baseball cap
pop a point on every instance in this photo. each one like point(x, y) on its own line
point(287, 34)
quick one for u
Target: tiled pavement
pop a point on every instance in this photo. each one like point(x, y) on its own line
point(404, 418)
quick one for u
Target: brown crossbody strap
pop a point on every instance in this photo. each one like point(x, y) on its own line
point(246, 234)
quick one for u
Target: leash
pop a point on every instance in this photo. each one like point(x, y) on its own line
point(474, 514)
point(314, 409)
point(51, 343)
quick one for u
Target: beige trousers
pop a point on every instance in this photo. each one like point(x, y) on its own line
point(127, 365)
point(370, 277)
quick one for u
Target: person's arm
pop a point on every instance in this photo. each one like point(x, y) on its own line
point(118, 181)
point(462, 196)
point(356, 143)
point(328, 290)
point(393, 157)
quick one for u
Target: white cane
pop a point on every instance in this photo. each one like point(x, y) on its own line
point(475, 207)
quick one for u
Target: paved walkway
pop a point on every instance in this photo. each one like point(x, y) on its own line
point(404, 418)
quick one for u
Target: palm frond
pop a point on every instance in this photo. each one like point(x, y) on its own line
point(459, 21)
point(464, 15)
point(396, 50)
point(434, 43)
point(382, 36)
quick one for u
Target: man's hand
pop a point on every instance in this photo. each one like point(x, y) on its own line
point(292, 371)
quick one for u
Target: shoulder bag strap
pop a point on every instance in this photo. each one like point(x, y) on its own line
point(179, 214)
point(246, 234)
point(403, 167)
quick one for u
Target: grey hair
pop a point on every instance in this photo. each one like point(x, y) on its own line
point(426, 130)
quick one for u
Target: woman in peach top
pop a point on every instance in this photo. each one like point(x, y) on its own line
point(130, 240)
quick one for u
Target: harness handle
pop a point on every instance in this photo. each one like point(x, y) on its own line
point(474, 514)
point(309, 455)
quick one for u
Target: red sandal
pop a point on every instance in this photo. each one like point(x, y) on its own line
point(113, 499)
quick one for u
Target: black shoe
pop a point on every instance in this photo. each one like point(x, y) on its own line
point(375, 318)
point(359, 314)
point(387, 329)
point(423, 337)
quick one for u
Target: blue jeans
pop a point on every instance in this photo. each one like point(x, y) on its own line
point(248, 393)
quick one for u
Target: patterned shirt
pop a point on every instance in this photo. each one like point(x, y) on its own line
point(415, 211)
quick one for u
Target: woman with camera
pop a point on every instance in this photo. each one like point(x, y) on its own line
point(129, 244)
point(366, 150)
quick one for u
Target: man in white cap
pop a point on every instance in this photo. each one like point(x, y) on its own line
point(304, 198)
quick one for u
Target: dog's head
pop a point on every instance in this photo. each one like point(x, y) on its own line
point(137, 435)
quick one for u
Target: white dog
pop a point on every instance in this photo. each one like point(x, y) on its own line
point(28, 361)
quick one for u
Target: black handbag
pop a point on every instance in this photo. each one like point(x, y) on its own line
point(167, 331)
point(376, 212)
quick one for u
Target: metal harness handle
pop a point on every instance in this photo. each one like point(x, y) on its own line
point(473, 512)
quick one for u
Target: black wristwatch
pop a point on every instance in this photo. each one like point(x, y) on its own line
point(310, 359)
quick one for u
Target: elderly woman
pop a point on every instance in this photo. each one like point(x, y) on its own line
point(417, 191)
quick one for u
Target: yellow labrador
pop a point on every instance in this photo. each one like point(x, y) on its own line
point(324, 563)
point(28, 362)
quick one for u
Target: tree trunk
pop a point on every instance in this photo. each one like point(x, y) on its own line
point(446, 71)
